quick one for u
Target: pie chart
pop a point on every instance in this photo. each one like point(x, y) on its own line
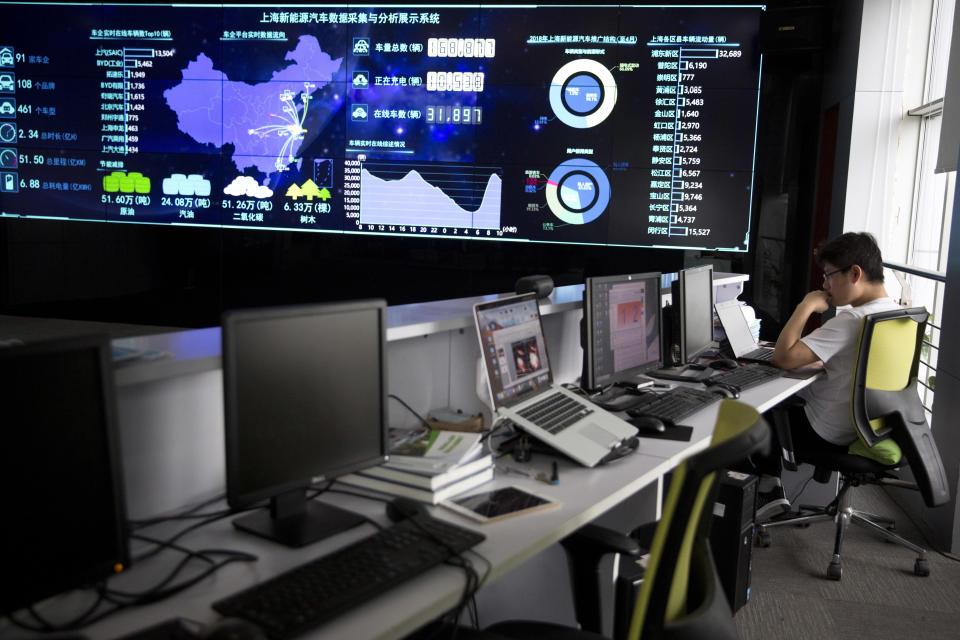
point(578, 191)
point(582, 93)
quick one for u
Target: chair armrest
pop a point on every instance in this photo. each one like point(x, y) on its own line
point(597, 541)
point(585, 547)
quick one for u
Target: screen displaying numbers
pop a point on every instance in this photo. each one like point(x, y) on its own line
point(607, 125)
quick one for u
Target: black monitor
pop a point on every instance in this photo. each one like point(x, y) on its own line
point(688, 325)
point(304, 402)
point(621, 317)
point(693, 292)
point(60, 470)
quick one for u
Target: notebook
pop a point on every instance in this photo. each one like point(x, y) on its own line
point(741, 340)
point(522, 389)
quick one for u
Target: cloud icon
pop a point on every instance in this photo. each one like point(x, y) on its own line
point(247, 186)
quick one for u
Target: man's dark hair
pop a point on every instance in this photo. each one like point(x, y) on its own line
point(854, 248)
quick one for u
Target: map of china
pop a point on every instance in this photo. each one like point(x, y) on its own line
point(262, 121)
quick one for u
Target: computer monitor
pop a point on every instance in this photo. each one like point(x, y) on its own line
point(621, 317)
point(62, 483)
point(693, 291)
point(688, 325)
point(304, 402)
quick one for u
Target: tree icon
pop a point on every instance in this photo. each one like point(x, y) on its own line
point(324, 194)
point(310, 190)
point(294, 192)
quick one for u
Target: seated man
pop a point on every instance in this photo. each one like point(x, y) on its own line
point(852, 282)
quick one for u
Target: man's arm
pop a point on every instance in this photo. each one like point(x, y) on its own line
point(789, 352)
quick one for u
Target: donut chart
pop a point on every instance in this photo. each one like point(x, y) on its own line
point(583, 93)
point(578, 191)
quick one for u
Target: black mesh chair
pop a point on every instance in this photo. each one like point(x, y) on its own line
point(893, 434)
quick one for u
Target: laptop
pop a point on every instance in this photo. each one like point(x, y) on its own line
point(742, 343)
point(522, 389)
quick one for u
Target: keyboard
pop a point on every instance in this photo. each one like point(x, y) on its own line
point(311, 594)
point(556, 412)
point(673, 405)
point(749, 375)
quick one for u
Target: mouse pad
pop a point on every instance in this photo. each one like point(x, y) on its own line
point(679, 432)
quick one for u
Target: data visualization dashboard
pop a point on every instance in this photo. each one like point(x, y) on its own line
point(626, 125)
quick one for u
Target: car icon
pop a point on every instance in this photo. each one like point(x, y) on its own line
point(6, 57)
point(6, 108)
point(360, 80)
point(359, 113)
point(6, 82)
point(361, 46)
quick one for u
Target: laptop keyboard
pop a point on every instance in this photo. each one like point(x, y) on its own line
point(759, 354)
point(749, 375)
point(673, 405)
point(556, 412)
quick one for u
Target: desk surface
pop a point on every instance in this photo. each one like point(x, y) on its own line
point(584, 494)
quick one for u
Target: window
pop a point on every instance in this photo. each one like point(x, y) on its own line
point(932, 203)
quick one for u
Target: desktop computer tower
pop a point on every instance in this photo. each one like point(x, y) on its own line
point(731, 534)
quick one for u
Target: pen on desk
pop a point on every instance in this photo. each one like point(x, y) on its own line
point(555, 476)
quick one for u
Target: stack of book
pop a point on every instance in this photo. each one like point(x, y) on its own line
point(438, 466)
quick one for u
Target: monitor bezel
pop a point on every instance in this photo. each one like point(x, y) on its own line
point(120, 527)
point(231, 320)
point(589, 375)
point(686, 357)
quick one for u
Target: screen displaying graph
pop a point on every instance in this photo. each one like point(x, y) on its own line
point(626, 125)
point(457, 197)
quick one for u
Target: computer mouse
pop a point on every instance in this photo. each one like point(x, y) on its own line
point(402, 508)
point(724, 390)
point(724, 364)
point(232, 629)
point(648, 424)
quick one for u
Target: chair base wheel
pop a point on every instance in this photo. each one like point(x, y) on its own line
point(835, 570)
point(921, 568)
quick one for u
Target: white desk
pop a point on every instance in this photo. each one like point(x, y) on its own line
point(584, 493)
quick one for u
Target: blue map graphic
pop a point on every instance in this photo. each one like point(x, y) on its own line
point(263, 122)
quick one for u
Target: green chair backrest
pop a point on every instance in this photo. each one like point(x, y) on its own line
point(663, 596)
point(887, 362)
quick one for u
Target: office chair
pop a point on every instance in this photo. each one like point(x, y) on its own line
point(892, 432)
point(681, 595)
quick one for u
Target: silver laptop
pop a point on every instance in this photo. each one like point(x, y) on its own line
point(742, 343)
point(522, 388)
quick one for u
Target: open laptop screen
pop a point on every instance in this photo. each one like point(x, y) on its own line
point(736, 327)
point(514, 351)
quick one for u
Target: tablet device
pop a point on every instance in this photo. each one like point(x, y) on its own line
point(498, 504)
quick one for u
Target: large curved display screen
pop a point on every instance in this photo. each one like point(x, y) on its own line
point(608, 125)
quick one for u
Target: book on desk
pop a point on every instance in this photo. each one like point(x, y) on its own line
point(430, 478)
point(399, 486)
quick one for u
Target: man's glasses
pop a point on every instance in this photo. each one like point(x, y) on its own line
point(827, 274)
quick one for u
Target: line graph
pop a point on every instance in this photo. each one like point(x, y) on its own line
point(434, 195)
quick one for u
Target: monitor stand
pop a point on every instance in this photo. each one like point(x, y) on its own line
point(635, 382)
point(294, 521)
point(685, 372)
